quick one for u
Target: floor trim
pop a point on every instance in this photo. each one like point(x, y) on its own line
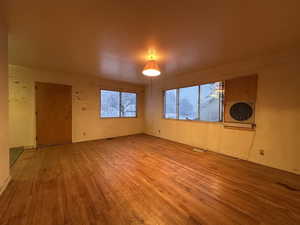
point(105, 138)
point(6, 182)
point(230, 156)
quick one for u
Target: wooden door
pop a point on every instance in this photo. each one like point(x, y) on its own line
point(53, 114)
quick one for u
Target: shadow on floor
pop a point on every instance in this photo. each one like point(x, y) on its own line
point(14, 154)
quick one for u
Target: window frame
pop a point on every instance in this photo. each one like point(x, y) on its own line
point(177, 103)
point(221, 103)
point(120, 104)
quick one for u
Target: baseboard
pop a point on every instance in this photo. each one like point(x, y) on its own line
point(103, 138)
point(230, 156)
point(30, 147)
point(18, 147)
point(6, 182)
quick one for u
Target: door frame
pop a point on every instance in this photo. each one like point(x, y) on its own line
point(36, 114)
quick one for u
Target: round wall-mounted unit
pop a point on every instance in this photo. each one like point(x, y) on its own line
point(241, 111)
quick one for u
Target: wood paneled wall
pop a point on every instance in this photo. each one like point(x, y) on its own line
point(241, 89)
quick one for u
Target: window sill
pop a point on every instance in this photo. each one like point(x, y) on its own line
point(104, 118)
point(196, 121)
point(217, 123)
point(240, 126)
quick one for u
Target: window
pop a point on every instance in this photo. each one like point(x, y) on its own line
point(170, 104)
point(203, 102)
point(188, 103)
point(128, 104)
point(117, 104)
point(110, 104)
point(210, 101)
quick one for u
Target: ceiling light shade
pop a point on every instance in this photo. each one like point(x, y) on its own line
point(151, 69)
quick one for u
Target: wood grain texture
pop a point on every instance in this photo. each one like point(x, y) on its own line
point(145, 180)
point(53, 114)
point(241, 89)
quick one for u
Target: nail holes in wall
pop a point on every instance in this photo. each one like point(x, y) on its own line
point(261, 152)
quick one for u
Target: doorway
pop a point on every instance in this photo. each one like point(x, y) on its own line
point(53, 114)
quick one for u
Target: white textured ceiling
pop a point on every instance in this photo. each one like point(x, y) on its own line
point(111, 38)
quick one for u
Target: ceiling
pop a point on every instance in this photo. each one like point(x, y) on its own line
point(110, 38)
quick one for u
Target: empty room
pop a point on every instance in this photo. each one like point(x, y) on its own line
point(150, 112)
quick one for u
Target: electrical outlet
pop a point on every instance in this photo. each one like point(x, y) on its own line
point(83, 133)
point(262, 152)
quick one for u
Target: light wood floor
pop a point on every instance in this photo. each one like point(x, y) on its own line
point(145, 180)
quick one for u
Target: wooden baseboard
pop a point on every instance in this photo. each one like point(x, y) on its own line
point(30, 147)
point(104, 138)
point(229, 156)
point(4, 185)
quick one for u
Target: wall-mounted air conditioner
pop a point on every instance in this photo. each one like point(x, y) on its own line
point(240, 112)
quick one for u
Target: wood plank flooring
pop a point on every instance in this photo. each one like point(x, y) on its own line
point(145, 180)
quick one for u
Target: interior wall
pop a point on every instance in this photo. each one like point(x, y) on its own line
point(87, 124)
point(277, 113)
point(4, 156)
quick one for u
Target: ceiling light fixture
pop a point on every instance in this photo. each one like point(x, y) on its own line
point(151, 68)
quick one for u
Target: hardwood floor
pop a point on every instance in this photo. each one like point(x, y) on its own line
point(145, 180)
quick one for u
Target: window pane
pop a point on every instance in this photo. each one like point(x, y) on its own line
point(210, 102)
point(110, 103)
point(170, 104)
point(188, 103)
point(128, 104)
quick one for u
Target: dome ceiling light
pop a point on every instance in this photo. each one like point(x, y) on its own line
point(151, 68)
